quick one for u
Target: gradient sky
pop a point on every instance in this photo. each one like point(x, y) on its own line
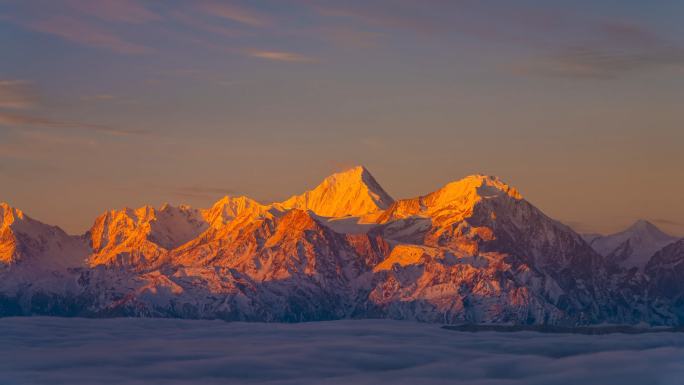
point(113, 103)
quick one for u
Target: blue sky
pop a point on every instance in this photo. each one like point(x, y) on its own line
point(109, 103)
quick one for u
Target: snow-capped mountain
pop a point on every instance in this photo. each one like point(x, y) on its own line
point(481, 253)
point(25, 241)
point(37, 259)
point(350, 193)
point(473, 251)
point(632, 247)
point(142, 236)
point(228, 208)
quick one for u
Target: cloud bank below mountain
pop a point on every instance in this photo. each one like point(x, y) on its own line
point(137, 351)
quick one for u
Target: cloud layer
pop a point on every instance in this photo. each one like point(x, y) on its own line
point(558, 41)
point(144, 351)
point(16, 94)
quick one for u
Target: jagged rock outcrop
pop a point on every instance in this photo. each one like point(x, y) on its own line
point(142, 237)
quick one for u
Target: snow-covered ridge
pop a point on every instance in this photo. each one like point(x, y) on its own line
point(472, 251)
point(632, 247)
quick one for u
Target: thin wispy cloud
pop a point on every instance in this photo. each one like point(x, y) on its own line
point(590, 62)
point(17, 94)
point(21, 94)
point(235, 13)
point(78, 31)
point(201, 24)
point(126, 11)
point(280, 56)
point(12, 120)
point(378, 16)
point(613, 49)
point(109, 98)
point(568, 44)
point(35, 144)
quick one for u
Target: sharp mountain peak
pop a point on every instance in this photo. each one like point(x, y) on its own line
point(484, 186)
point(642, 225)
point(353, 192)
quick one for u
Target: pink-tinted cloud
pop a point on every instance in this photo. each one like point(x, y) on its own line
point(77, 31)
point(235, 13)
point(16, 94)
point(280, 56)
point(201, 24)
point(19, 120)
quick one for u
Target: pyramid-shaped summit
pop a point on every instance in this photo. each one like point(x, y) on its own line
point(353, 192)
point(634, 246)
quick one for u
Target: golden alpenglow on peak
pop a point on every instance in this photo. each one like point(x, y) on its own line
point(9, 214)
point(473, 187)
point(228, 208)
point(458, 197)
point(353, 192)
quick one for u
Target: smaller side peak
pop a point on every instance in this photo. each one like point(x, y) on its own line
point(143, 213)
point(644, 226)
point(228, 208)
point(169, 207)
point(300, 219)
point(484, 185)
point(235, 200)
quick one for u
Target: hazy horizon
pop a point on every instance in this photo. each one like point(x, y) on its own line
point(124, 103)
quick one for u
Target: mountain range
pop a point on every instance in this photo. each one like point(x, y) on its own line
point(473, 251)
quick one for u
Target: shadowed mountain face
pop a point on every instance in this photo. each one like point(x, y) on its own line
point(473, 251)
point(666, 270)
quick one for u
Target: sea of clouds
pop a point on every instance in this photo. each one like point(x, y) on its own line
point(45, 350)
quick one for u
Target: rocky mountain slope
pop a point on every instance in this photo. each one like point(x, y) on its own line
point(473, 251)
point(666, 273)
